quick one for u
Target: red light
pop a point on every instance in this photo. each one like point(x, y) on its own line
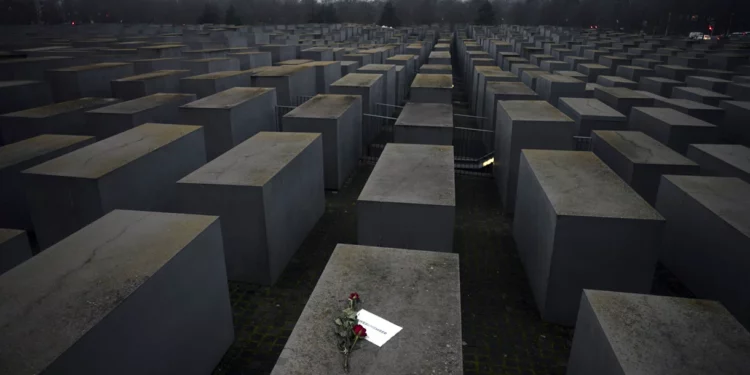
point(710, 28)
point(73, 23)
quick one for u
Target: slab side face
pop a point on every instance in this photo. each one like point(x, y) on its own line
point(431, 339)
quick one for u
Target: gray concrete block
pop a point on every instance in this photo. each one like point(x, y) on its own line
point(570, 206)
point(640, 160)
point(737, 116)
point(613, 62)
point(86, 80)
point(622, 99)
point(634, 73)
point(290, 82)
point(432, 88)
point(293, 62)
point(60, 118)
point(317, 54)
point(722, 160)
point(19, 95)
point(161, 51)
point(279, 52)
point(739, 91)
point(659, 86)
point(708, 113)
point(401, 84)
point(349, 67)
point(706, 237)
point(670, 336)
point(508, 62)
point(552, 65)
point(162, 81)
point(699, 95)
point(32, 68)
point(591, 114)
point(24, 154)
point(672, 128)
point(592, 71)
point(251, 59)
point(675, 72)
point(552, 87)
point(521, 125)
point(135, 169)
point(326, 73)
point(431, 339)
point(14, 248)
point(367, 85)
point(708, 83)
point(489, 74)
point(268, 191)
point(502, 91)
point(210, 65)
point(338, 118)
point(439, 58)
point(212, 83)
point(615, 81)
point(425, 123)
point(151, 65)
point(107, 121)
point(120, 296)
point(231, 116)
point(409, 199)
point(389, 75)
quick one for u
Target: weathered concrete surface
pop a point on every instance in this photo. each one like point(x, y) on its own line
point(204, 85)
point(425, 123)
point(107, 121)
point(592, 114)
point(87, 80)
point(675, 129)
point(622, 99)
point(162, 81)
point(432, 88)
point(722, 160)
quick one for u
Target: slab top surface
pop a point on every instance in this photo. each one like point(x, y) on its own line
point(218, 75)
point(84, 68)
point(578, 183)
point(434, 81)
point(412, 174)
point(737, 156)
point(8, 234)
point(639, 148)
point(426, 114)
point(672, 117)
point(62, 107)
point(416, 290)
point(377, 68)
point(18, 83)
point(358, 80)
point(702, 92)
point(690, 104)
point(31, 148)
point(63, 292)
point(326, 106)
point(532, 110)
point(592, 109)
point(209, 59)
point(324, 63)
point(142, 104)
point(667, 335)
point(100, 158)
point(156, 74)
point(436, 67)
point(623, 93)
point(228, 98)
point(402, 57)
point(253, 162)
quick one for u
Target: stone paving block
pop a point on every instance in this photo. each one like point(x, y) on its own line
point(659, 85)
point(672, 128)
point(32, 68)
point(552, 87)
point(671, 336)
point(162, 81)
point(338, 118)
point(622, 99)
point(523, 124)
point(290, 82)
point(432, 88)
point(736, 118)
point(15, 158)
point(409, 199)
point(675, 72)
point(251, 60)
point(107, 121)
point(615, 81)
point(144, 66)
point(708, 83)
point(706, 237)
point(699, 95)
point(19, 95)
point(429, 342)
point(723, 160)
point(268, 191)
point(367, 85)
point(739, 91)
point(640, 160)
point(570, 205)
point(135, 169)
point(86, 80)
point(209, 84)
point(592, 71)
point(425, 123)
point(14, 248)
point(500, 91)
point(119, 297)
point(231, 116)
point(211, 65)
point(591, 114)
point(279, 52)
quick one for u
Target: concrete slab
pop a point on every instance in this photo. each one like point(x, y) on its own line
point(251, 60)
point(290, 82)
point(670, 336)
point(722, 160)
point(231, 116)
point(161, 51)
point(338, 118)
point(279, 52)
point(622, 99)
point(570, 206)
point(425, 123)
point(674, 72)
point(268, 191)
point(432, 88)
point(348, 67)
point(707, 236)
point(204, 85)
point(144, 66)
point(14, 248)
point(161, 81)
point(591, 114)
point(737, 115)
point(634, 73)
point(107, 121)
point(118, 297)
point(739, 91)
point(326, 73)
point(32, 68)
point(552, 87)
point(659, 85)
point(19, 95)
point(672, 128)
point(135, 169)
point(439, 58)
point(409, 199)
point(525, 124)
point(429, 342)
point(699, 95)
point(487, 74)
point(712, 115)
point(86, 80)
point(389, 74)
point(614, 81)
point(503, 91)
point(592, 71)
point(367, 85)
point(708, 83)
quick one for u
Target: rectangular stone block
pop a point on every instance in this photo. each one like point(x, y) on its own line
point(570, 208)
point(251, 60)
point(338, 118)
point(231, 116)
point(592, 71)
point(672, 128)
point(429, 342)
point(326, 73)
point(290, 82)
point(317, 54)
point(675, 72)
point(699, 95)
point(739, 91)
point(707, 236)
point(349, 67)
point(488, 74)
point(293, 62)
point(211, 65)
point(735, 122)
point(152, 65)
point(361, 58)
point(20, 95)
point(425, 123)
point(508, 62)
point(432, 88)
point(119, 297)
point(367, 85)
point(135, 169)
point(722, 160)
point(708, 83)
point(107, 121)
point(209, 84)
point(591, 114)
point(14, 248)
point(409, 199)
point(669, 336)
point(389, 75)
point(161, 51)
point(521, 125)
point(552, 65)
point(86, 80)
point(712, 115)
point(279, 52)
point(162, 81)
point(615, 81)
point(647, 63)
point(612, 62)
point(32, 68)
point(530, 77)
point(502, 91)
point(575, 61)
point(552, 87)
point(440, 58)
point(622, 99)
point(640, 160)
point(16, 157)
point(659, 86)
point(268, 191)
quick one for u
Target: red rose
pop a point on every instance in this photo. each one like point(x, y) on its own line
point(360, 331)
point(354, 296)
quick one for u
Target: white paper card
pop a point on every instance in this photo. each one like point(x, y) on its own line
point(379, 330)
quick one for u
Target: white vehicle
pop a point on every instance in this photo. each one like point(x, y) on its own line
point(696, 35)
